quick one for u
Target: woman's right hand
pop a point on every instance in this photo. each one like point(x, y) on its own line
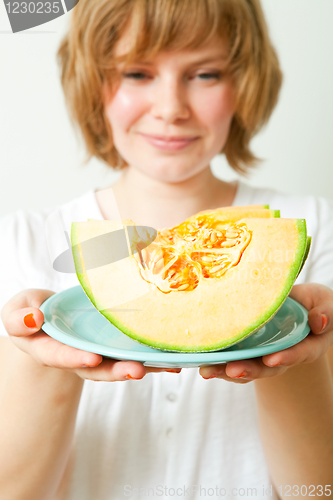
point(23, 309)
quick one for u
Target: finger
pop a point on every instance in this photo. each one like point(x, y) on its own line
point(241, 371)
point(21, 315)
point(152, 369)
point(23, 322)
point(252, 369)
point(49, 352)
point(62, 356)
point(306, 351)
point(319, 298)
point(319, 318)
point(111, 370)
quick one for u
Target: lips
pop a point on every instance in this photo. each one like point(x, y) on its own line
point(169, 143)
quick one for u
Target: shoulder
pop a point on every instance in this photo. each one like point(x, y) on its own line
point(316, 210)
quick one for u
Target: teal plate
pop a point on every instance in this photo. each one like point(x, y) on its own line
point(71, 319)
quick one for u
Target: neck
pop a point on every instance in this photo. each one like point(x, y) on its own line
point(159, 204)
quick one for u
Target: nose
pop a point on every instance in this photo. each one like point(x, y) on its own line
point(169, 100)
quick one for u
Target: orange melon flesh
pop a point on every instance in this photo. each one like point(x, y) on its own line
point(189, 292)
point(94, 283)
point(233, 213)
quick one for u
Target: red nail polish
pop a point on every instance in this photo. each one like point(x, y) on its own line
point(128, 376)
point(325, 321)
point(242, 375)
point(29, 321)
point(173, 371)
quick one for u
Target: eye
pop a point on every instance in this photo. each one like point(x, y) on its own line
point(135, 75)
point(209, 76)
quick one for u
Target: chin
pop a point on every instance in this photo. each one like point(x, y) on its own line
point(171, 172)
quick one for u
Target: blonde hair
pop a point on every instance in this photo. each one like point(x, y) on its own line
point(87, 62)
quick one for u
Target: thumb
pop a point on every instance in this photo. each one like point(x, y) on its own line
point(319, 319)
point(21, 315)
point(318, 300)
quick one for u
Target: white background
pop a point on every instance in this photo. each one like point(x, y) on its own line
point(41, 160)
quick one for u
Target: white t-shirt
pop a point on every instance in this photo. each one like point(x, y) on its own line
point(169, 434)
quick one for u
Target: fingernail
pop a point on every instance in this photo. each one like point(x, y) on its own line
point(128, 376)
point(325, 321)
point(176, 370)
point(29, 321)
point(242, 375)
point(276, 364)
point(272, 364)
point(207, 378)
point(87, 364)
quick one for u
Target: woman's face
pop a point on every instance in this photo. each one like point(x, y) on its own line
point(171, 115)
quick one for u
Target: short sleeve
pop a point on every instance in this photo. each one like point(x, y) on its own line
point(319, 268)
point(11, 279)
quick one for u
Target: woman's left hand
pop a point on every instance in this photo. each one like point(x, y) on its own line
point(318, 300)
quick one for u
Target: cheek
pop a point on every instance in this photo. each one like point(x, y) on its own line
point(124, 110)
point(217, 108)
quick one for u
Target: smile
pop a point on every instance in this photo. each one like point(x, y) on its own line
point(172, 143)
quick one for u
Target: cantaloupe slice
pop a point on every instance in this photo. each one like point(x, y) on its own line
point(201, 286)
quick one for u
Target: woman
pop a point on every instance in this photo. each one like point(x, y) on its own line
point(158, 88)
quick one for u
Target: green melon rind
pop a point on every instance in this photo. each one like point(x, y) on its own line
point(300, 257)
point(306, 254)
point(276, 213)
point(252, 328)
